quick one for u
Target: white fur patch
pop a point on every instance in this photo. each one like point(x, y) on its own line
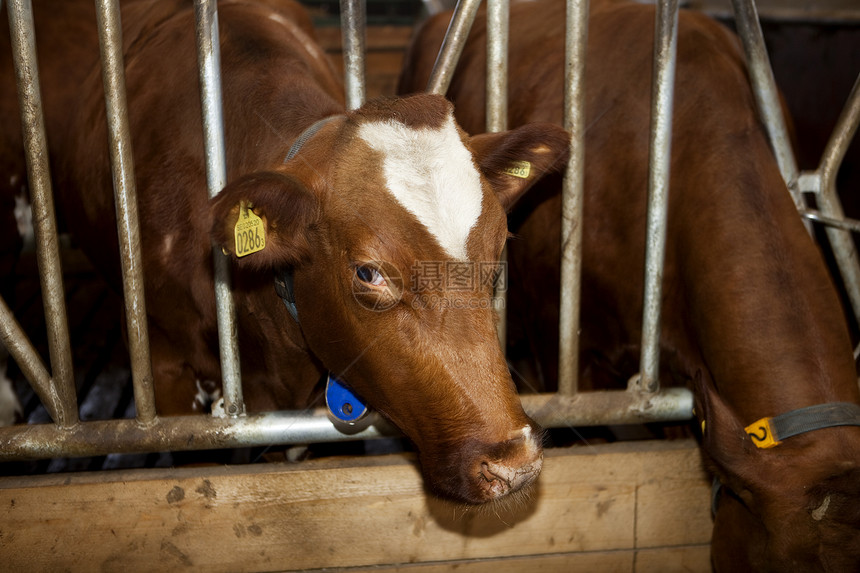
point(24, 220)
point(167, 246)
point(818, 513)
point(431, 174)
point(207, 394)
point(10, 407)
point(531, 441)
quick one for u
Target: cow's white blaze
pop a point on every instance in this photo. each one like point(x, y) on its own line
point(431, 174)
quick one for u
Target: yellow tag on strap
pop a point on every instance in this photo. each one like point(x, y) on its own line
point(519, 169)
point(762, 434)
point(249, 233)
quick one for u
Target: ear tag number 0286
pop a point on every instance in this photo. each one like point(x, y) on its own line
point(520, 169)
point(249, 233)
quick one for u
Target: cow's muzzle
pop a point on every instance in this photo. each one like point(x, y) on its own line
point(510, 466)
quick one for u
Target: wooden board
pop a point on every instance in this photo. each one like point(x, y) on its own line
point(663, 560)
point(620, 507)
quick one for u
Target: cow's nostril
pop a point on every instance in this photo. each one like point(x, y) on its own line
point(485, 472)
point(489, 475)
point(502, 478)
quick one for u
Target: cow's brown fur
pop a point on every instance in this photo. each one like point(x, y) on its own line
point(437, 372)
point(751, 320)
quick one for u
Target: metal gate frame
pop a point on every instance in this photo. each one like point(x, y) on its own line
point(643, 401)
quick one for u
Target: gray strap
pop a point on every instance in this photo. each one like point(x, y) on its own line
point(284, 277)
point(793, 423)
point(815, 417)
point(306, 135)
point(284, 288)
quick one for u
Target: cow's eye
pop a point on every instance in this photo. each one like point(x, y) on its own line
point(369, 275)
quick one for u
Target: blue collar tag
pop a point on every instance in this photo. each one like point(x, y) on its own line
point(342, 403)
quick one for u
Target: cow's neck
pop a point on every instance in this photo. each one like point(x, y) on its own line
point(771, 333)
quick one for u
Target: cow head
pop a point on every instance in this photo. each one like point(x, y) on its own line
point(392, 220)
point(789, 508)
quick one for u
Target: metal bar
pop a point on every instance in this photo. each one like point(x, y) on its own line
point(27, 358)
point(497, 65)
point(497, 116)
point(840, 140)
point(22, 35)
point(600, 408)
point(209, 62)
point(841, 241)
point(662, 98)
point(452, 46)
point(203, 432)
point(125, 193)
point(174, 433)
point(572, 198)
point(353, 16)
point(842, 223)
point(767, 95)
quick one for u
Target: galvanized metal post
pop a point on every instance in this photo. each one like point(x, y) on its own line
point(125, 193)
point(15, 340)
point(497, 116)
point(828, 200)
point(767, 95)
point(22, 34)
point(310, 426)
point(452, 46)
point(572, 198)
point(209, 65)
point(662, 98)
point(353, 22)
point(497, 65)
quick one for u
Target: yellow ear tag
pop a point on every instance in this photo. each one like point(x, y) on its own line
point(249, 233)
point(519, 169)
point(761, 433)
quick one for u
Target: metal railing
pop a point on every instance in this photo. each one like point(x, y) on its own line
point(643, 401)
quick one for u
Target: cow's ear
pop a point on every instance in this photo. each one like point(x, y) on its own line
point(512, 161)
point(723, 437)
point(263, 220)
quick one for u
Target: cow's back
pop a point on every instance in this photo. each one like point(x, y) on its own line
point(259, 44)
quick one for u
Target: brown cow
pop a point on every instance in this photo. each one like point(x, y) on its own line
point(751, 320)
point(355, 214)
